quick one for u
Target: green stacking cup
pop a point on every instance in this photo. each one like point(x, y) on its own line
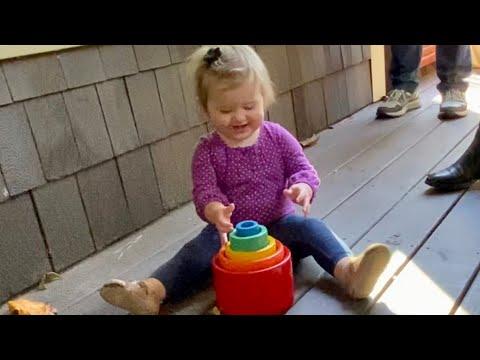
point(248, 236)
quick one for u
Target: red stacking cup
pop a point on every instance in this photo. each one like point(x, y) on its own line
point(267, 291)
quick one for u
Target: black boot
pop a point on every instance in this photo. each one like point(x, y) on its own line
point(462, 173)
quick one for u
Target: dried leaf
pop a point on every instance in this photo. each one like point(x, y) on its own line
point(41, 285)
point(214, 311)
point(52, 276)
point(28, 307)
point(47, 278)
point(310, 141)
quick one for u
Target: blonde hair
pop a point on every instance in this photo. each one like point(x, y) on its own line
point(231, 63)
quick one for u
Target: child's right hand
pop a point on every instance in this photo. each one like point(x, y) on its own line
point(223, 223)
point(219, 215)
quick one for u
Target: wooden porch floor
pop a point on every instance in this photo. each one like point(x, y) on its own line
point(372, 190)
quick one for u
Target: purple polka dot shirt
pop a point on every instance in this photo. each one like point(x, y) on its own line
point(253, 177)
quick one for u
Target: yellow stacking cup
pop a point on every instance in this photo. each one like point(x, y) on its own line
point(246, 256)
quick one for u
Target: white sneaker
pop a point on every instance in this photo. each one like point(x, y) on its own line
point(453, 104)
point(397, 103)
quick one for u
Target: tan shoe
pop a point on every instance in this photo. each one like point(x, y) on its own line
point(361, 273)
point(137, 297)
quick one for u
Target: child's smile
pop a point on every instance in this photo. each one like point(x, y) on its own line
point(236, 113)
point(240, 128)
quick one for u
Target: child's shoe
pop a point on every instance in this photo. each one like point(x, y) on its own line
point(137, 297)
point(358, 274)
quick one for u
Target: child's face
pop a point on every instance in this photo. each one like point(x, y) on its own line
point(236, 113)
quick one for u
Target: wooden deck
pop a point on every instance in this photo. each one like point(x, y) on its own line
point(372, 190)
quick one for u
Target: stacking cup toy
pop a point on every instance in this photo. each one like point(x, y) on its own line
point(252, 273)
point(246, 256)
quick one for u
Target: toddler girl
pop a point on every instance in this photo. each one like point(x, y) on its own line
point(247, 169)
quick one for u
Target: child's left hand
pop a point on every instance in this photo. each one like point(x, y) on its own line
point(300, 194)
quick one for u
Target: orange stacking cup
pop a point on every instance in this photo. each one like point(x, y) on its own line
point(241, 266)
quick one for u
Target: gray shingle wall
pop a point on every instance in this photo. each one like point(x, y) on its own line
point(5, 97)
point(179, 53)
point(88, 124)
point(336, 97)
point(23, 257)
point(4, 194)
point(351, 55)
point(282, 112)
point(34, 76)
point(105, 203)
point(53, 135)
point(118, 116)
point(310, 114)
point(82, 66)
point(146, 106)
point(276, 59)
point(19, 158)
point(118, 60)
point(96, 142)
point(152, 56)
point(64, 222)
point(172, 159)
point(141, 186)
point(173, 102)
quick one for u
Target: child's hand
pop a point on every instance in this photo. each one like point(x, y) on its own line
point(222, 218)
point(300, 194)
point(223, 224)
point(219, 215)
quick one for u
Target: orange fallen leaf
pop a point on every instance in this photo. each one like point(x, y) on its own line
point(28, 307)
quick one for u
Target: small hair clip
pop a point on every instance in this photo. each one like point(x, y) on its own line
point(212, 55)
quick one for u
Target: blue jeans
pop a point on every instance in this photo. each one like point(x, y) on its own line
point(190, 269)
point(454, 64)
